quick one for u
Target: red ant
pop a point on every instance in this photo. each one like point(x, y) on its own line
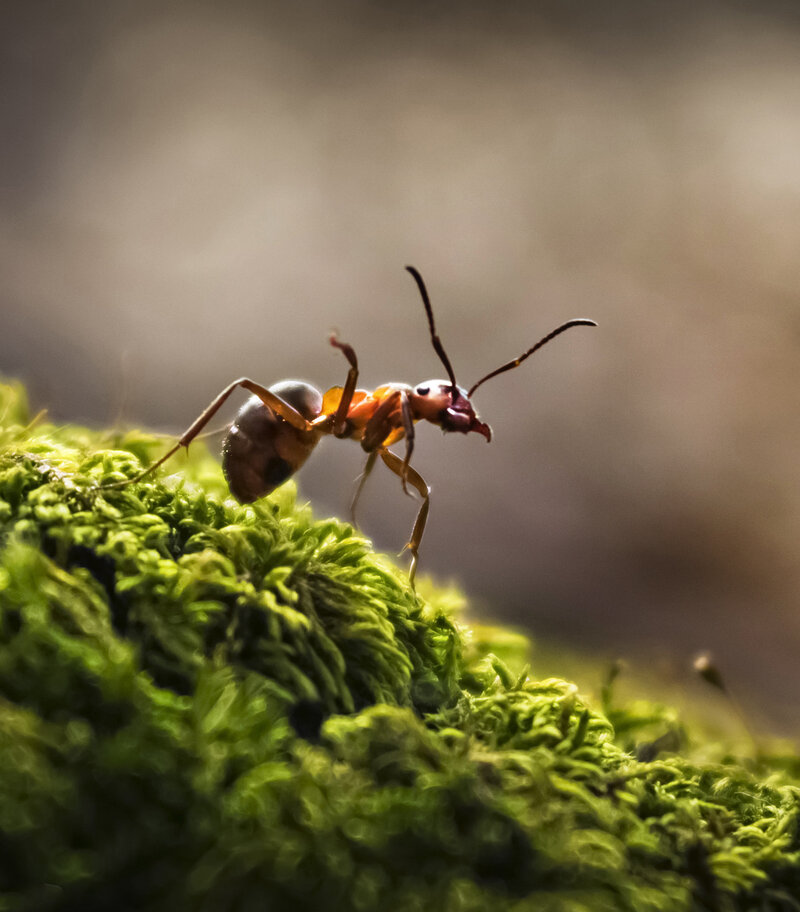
point(277, 428)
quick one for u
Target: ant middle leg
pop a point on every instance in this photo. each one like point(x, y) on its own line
point(360, 482)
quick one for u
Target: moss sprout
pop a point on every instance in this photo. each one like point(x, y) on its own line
point(213, 707)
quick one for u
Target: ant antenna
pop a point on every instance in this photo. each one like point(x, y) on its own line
point(437, 342)
point(517, 361)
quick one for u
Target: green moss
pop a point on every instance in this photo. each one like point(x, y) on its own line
point(207, 706)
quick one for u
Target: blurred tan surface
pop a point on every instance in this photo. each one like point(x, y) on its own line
point(189, 194)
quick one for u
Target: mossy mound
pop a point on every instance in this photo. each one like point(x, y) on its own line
point(205, 706)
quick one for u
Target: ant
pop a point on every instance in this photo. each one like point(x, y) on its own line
point(278, 427)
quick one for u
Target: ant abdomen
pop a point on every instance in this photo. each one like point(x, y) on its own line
point(261, 450)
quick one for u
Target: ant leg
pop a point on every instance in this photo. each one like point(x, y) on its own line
point(381, 424)
point(290, 415)
point(361, 481)
point(408, 425)
point(340, 417)
point(396, 465)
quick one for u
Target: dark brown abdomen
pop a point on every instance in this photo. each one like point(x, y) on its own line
point(261, 450)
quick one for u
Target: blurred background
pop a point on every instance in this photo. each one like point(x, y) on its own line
point(190, 192)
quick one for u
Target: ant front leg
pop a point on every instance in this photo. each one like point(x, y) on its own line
point(378, 430)
point(382, 429)
point(408, 425)
point(289, 414)
point(398, 466)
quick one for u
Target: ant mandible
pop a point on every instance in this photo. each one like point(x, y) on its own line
point(278, 427)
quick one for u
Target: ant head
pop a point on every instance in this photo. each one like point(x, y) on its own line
point(445, 403)
point(448, 406)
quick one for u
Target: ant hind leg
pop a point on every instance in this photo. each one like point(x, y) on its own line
point(289, 414)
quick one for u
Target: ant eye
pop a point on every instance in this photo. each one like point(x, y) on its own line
point(423, 390)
